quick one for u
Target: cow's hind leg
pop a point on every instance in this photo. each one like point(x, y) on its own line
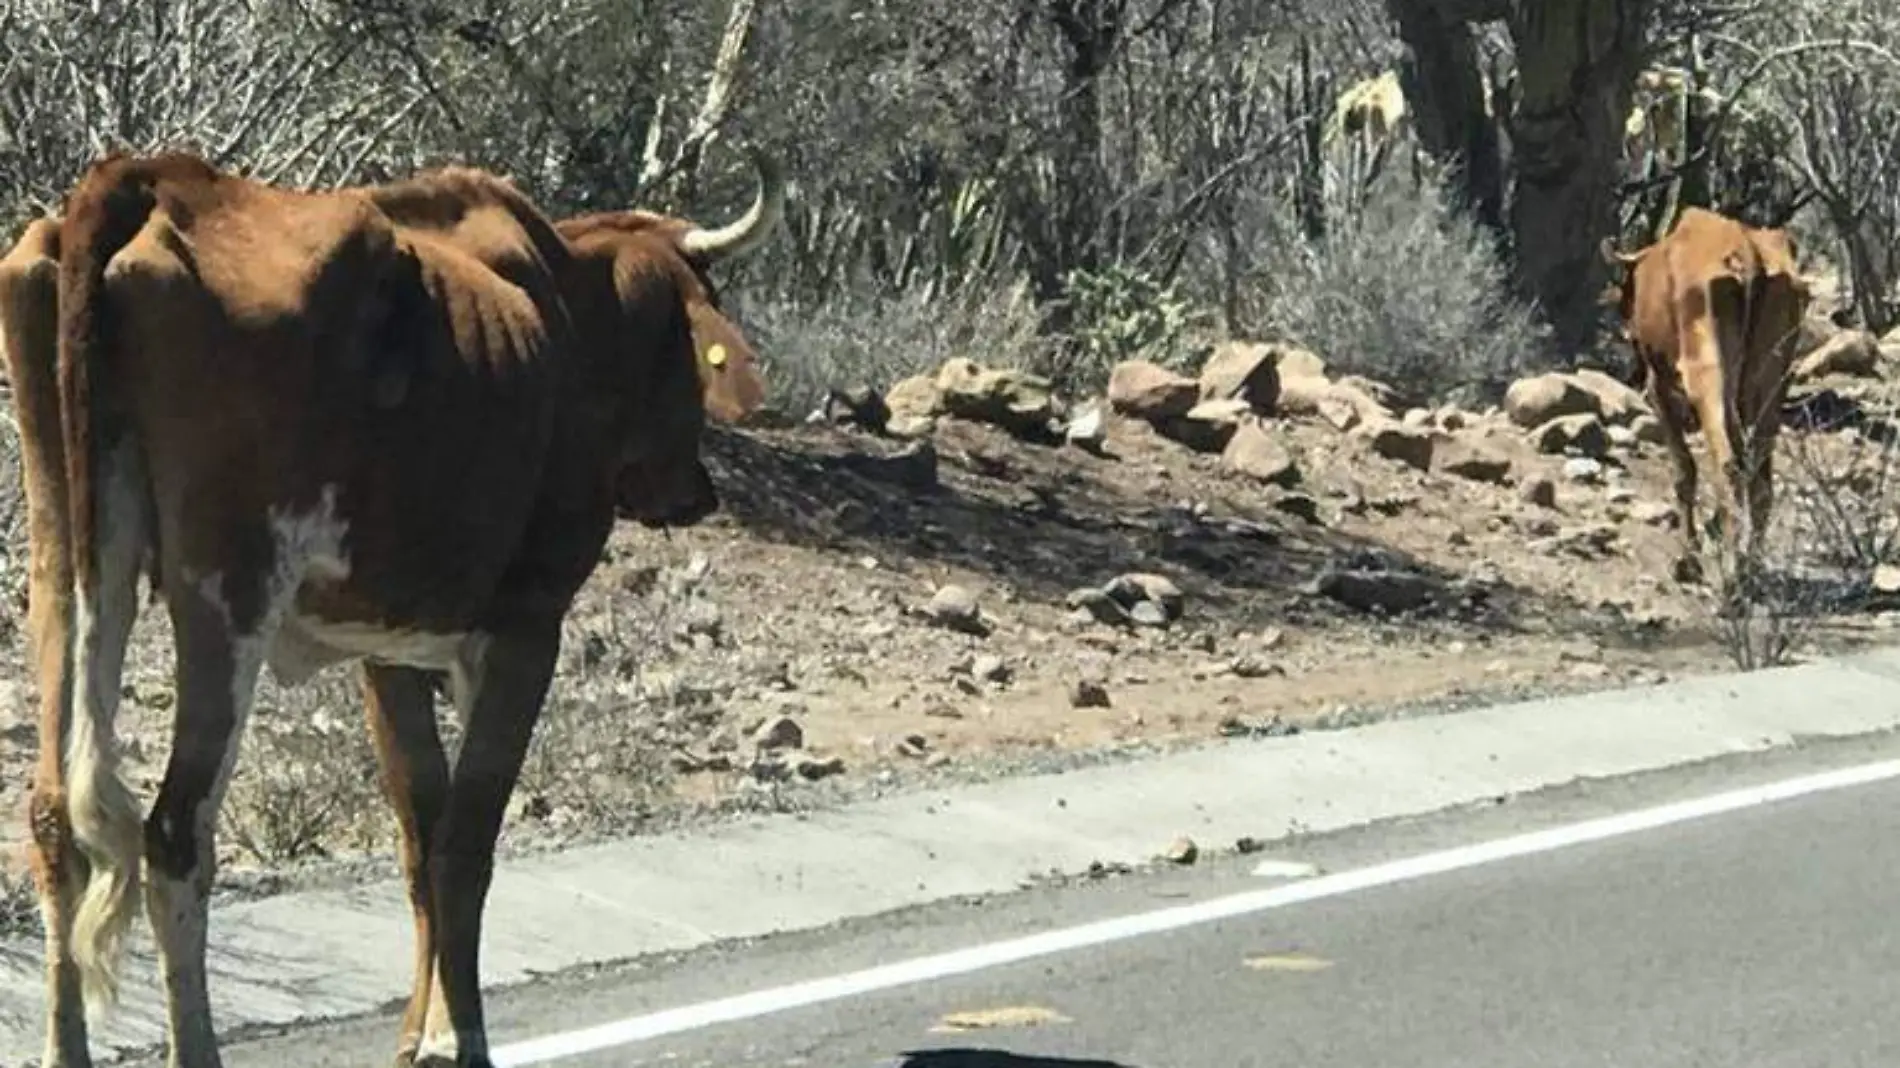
point(85, 818)
point(1688, 567)
point(401, 706)
point(499, 691)
point(217, 670)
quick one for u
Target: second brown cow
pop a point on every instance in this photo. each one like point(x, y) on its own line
point(1712, 311)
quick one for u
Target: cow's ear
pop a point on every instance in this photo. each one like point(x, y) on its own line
point(728, 367)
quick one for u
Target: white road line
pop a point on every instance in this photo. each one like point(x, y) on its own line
point(1013, 950)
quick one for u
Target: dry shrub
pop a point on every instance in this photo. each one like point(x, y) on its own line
point(624, 701)
point(19, 904)
point(1835, 523)
point(307, 788)
point(12, 527)
point(861, 336)
point(1404, 290)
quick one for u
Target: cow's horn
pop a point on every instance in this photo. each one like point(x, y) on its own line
point(745, 233)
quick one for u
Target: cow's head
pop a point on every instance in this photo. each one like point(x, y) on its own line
point(1620, 291)
point(676, 357)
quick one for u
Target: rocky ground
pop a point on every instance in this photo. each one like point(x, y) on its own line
point(964, 576)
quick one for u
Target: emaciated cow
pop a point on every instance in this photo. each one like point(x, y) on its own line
point(1712, 311)
point(387, 425)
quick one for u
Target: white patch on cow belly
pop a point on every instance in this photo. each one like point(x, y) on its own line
point(298, 645)
point(306, 640)
point(307, 644)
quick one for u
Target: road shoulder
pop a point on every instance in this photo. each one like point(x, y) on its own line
point(311, 956)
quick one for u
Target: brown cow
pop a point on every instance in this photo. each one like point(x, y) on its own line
point(390, 425)
point(1711, 311)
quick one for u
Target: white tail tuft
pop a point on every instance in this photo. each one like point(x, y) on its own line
point(107, 828)
point(106, 815)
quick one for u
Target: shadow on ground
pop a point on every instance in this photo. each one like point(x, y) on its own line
point(1047, 521)
point(989, 1058)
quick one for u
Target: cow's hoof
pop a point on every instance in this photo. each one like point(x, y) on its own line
point(437, 1060)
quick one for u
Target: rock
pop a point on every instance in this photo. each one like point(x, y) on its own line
point(1301, 396)
point(1378, 392)
point(1537, 400)
point(1346, 406)
point(1016, 401)
point(1647, 428)
point(779, 732)
point(990, 668)
point(1245, 371)
point(1473, 461)
point(1088, 430)
point(1540, 491)
point(1621, 437)
point(913, 467)
point(1620, 495)
point(1853, 353)
point(859, 406)
point(1343, 405)
point(1254, 666)
point(1583, 469)
point(956, 608)
point(1299, 505)
point(1409, 445)
point(1655, 513)
point(1886, 580)
point(1815, 332)
point(1206, 427)
point(1096, 604)
point(1256, 453)
point(1087, 693)
point(1583, 434)
point(1450, 418)
point(1138, 587)
point(812, 768)
point(1295, 362)
point(917, 397)
point(1418, 419)
point(1147, 614)
point(1182, 851)
point(1590, 542)
point(911, 427)
point(1370, 590)
point(1617, 402)
point(1149, 391)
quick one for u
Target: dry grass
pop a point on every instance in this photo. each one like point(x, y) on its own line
point(1835, 524)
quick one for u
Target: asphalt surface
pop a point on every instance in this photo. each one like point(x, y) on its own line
point(1763, 938)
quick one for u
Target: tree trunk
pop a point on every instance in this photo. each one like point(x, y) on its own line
point(1089, 32)
point(1439, 75)
point(1576, 60)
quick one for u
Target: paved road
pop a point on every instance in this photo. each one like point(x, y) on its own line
point(1763, 937)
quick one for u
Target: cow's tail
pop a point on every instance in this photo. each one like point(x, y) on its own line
point(108, 532)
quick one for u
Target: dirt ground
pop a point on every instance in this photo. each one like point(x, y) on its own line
point(867, 613)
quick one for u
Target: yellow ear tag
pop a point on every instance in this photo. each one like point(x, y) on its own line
point(716, 355)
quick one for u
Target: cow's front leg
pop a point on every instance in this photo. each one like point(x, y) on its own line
point(502, 687)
